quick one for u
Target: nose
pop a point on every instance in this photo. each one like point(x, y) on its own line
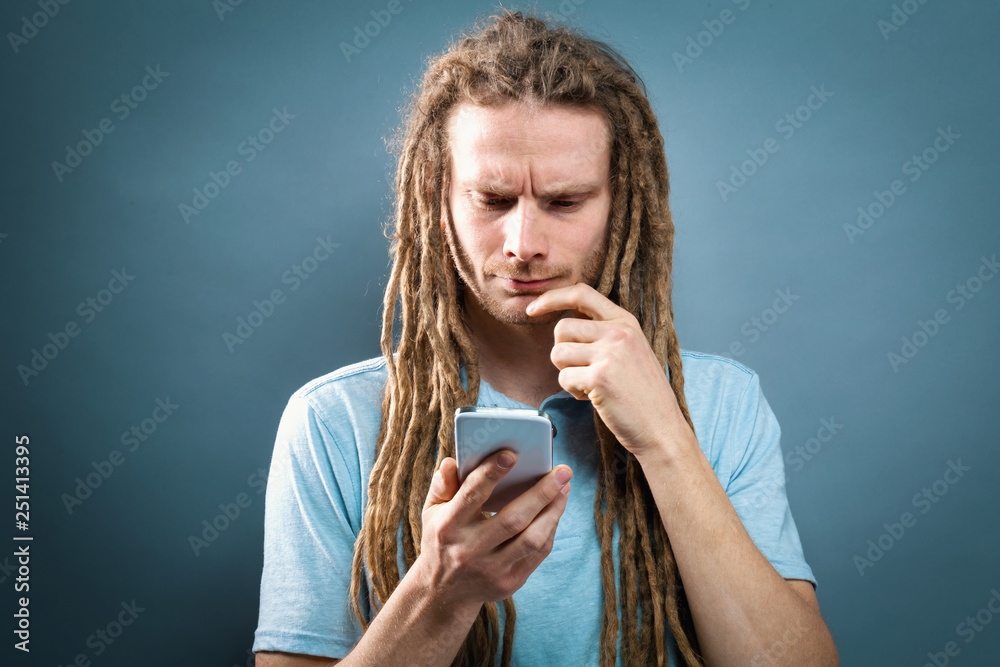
point(525, 237)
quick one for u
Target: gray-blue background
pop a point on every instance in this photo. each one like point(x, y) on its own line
point(327, 174)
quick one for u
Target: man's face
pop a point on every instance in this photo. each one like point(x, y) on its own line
point(530, 200)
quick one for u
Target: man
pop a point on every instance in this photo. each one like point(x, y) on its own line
point(531, 251)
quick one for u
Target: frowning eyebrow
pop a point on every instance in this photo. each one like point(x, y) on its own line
point(564, 189)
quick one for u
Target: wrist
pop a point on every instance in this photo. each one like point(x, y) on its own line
point(443, 606)
point(669, 451)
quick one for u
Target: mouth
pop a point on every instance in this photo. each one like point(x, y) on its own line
point(525, 284)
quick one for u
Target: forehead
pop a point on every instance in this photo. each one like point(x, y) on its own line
point(502, 144)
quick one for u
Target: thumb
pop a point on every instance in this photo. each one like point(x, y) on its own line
point(444, 484)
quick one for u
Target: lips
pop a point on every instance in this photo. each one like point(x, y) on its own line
point(526, 284)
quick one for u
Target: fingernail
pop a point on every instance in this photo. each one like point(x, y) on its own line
point(565, 489)
point(505, 460)
point(563, 475)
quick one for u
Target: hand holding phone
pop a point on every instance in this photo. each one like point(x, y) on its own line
point(472, 559)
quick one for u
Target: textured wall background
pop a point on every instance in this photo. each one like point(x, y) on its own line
point(121, 309)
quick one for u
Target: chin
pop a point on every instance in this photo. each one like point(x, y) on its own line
point(514, 314)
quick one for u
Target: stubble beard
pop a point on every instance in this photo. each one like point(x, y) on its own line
point(514, 314)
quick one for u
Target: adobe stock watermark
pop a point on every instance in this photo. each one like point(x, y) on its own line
point(899, 17)
point(131, 440)
point(104, 637)
point(229, 513)
point(88, 309)
point(923, 500)
point(915, 167)
point(223, 7)
point(779, 647)
point(363, 35)
point(37, 21)
point(828, 428)
point(293, 277)
point(698, 43)
point(960, 295)
point(248, 149)
point(122, 106)
point(786, 126)
point(767, 490)
point(755, 327)
point(968, 629)
point(7, 569)
point(565, 9)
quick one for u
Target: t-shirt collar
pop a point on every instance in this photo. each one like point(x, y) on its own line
point(490, 397)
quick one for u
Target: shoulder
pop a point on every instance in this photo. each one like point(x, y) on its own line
point(334, 420)
point(707, 375)
point(723, 397)
point(359, 382)
point(358, 374)
point(344, 404)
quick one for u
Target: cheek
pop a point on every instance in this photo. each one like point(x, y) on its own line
point(594, 243)
point(477, 242)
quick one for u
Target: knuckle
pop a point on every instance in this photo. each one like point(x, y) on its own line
point(472, 498)
point(534, 543)
point(510, 523)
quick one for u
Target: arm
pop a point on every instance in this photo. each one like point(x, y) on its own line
point(414, 627)
point(741, 607)
point(464, 559)
point(743, 610)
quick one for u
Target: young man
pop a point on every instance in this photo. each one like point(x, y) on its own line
point(531, 251)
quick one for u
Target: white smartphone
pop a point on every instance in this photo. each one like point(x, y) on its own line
point(482, 431)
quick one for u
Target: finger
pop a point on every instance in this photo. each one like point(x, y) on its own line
point(478, 486)
point(520, 512)
point(576, 330)
point(578, 381)
point(580, 297)
point(444, 483)
point(535, 542)
point(571, 354)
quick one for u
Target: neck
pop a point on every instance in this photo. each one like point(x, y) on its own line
point(514, 358)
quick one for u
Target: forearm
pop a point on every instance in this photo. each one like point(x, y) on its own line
point(413, 627)
point(740, 605)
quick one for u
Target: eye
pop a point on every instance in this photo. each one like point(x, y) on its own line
point(493, 203)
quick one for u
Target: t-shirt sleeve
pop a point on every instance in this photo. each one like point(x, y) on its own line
point(757, 485)
point(311, 521)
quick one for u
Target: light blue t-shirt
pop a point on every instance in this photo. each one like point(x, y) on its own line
point(317, 492)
